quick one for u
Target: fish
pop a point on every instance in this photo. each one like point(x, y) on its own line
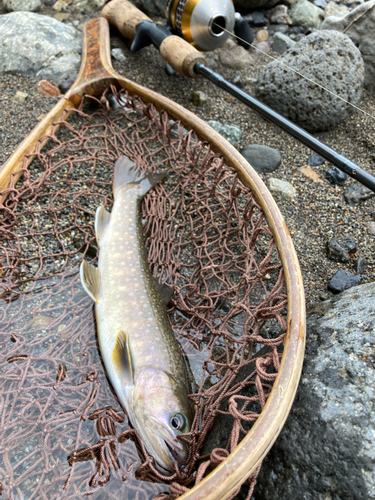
point(140, 352)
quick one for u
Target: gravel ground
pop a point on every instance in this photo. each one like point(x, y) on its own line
point(319, 212)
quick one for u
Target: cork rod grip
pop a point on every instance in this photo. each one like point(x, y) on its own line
point(181, 55)
point(177, 52)
point(125, 16)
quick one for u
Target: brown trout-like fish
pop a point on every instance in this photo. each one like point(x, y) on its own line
point(138, 346)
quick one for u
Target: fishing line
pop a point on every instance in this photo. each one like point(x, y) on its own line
point(297, 72)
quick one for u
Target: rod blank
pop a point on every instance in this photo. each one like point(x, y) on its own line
point(341, 162)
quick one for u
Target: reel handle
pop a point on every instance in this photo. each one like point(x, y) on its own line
point(174, 50)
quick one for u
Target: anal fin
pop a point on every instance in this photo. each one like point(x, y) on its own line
point(90, 279)
point(122, 360)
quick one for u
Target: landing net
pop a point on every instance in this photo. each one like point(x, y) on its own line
point(63, 434)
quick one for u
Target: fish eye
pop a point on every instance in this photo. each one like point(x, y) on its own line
point(178, 421)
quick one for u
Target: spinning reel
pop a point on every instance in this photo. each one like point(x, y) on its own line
point(205, 24)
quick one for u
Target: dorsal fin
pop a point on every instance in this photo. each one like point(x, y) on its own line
point(127, 172)
point(90, 279)
point(122, 360)
point(102, 218)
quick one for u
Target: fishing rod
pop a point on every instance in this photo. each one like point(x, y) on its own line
point(206, 25)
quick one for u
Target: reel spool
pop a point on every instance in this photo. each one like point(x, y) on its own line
point(202, 22)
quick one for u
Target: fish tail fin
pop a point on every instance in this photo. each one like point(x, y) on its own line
point(127, 172)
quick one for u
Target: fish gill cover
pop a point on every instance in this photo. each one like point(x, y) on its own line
point(63, 433)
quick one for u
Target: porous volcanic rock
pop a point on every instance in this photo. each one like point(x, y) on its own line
point(326, 450)
point(38, 46)
point(359, 25)
point(329, 58)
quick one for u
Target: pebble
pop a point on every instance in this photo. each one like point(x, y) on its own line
point(339, 249)
point(297, 30)
point(360, 265)
point(236, 57)
point(306, 14)
point(371, 227)
point(88, 5)
point(324, 296)
point(356, 193)
point(336, 176)
point(262, 158)
point(342, 281)
point(282, 42)
point(310, 173)
point(20, 96)
point(315, 160)
point(320, 3)
point(48, 89)
point(41, 320)
point(199, 98)
point(262, 36)
point(257, 18)
point(60, 5)
point(239, 81)
point(118, 54)
point(281, 189)
point(332, 9)
point(61, 16)
point(263, 47)
point(65, 85)
point(229, 132)
point(297, 37)
point(279, 15)
point(277, 28)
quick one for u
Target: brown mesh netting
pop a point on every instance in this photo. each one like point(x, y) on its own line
point(63, 433)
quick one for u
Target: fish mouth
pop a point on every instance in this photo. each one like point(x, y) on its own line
point(171, 449)
point(179, 455)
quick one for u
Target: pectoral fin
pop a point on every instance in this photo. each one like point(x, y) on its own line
point(122, 360)
point(90, 279)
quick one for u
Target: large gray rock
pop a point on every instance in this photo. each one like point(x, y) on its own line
point(327, 447)
point(359, 25)
point(25, 5)
point(38, 46)
point(327, 57)
point(306, 14)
